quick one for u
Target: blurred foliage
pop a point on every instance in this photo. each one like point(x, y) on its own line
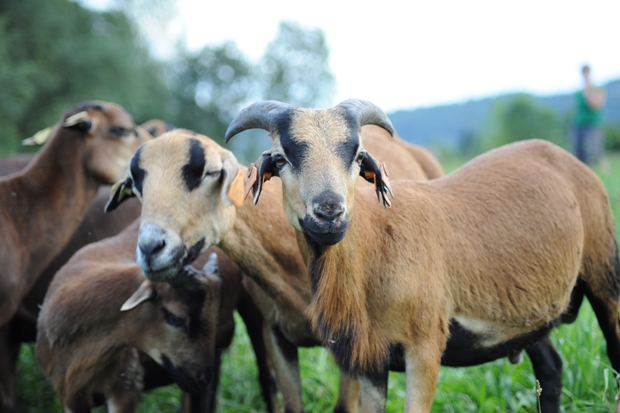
point(295, 67)
point(210, 87)
point(55, 54)
point(521, 118)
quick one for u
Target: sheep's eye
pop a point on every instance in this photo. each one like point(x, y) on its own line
point(279, 161)
point(213, 174)
point(173, 320)
point(118, 132)
point(360, 157)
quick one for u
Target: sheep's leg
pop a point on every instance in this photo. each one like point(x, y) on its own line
point(348, 394)
point(374, 391)
point(283, 353)
point(128, 383)
point(254, 323)
point(606, 310)
point(548, 371)
point(422, 370)
point(206, 401)
point(9, 352)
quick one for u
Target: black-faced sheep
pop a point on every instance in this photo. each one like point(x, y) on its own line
point(188, 185)
point(468, 268)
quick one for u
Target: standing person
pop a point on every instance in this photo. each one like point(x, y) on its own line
point(588, 136)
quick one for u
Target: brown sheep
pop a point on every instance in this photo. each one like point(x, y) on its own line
point(87, 338)
point(183, 180)
point(42, 206)
point(96, 225)
point(471, 267)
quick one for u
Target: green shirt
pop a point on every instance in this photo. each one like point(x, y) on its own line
point(584, 114)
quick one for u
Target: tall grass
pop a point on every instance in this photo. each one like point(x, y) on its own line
point(588, 379)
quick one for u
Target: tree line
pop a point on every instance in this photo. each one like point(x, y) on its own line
point(57, 53)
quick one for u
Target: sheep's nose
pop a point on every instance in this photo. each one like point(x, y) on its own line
point(153, 247)
point(151, 242)
point(329, 209)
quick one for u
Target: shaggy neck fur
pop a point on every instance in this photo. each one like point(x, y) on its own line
point(339, 306)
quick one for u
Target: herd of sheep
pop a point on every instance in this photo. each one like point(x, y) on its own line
point(453, 270)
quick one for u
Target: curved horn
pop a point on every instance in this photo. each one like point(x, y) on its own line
point(256, 116)
point(367, 113)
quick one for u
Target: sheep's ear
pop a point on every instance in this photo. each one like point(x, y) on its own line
point(232, 188)
point(80, 121)
point(371, 171)
point(146, 292)
point(260, 171)
point(120, 192)
point(39, 138)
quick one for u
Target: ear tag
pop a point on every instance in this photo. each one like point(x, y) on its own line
point(236, 191)
point(38, 138)
point(249, 183)
point(386, 185)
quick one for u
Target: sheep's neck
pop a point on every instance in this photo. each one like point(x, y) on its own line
point(263, 245)
point(46, 202)
point(339, 304)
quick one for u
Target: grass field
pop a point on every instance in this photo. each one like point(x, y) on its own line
point(494, 387)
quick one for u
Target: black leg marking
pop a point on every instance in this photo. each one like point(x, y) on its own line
point(548, 370)
point(608, 321)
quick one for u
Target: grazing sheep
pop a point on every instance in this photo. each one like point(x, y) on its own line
point(471, 267)
point(100, 311)
point(188, 185)
point(43, 204)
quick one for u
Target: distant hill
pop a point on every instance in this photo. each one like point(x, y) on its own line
point(445, 125)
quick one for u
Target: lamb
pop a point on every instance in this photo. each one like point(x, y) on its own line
point(42, 206)
point(471, 267)
point(188, 184)
point(100, 313)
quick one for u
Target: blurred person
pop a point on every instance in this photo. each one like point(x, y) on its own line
point(588, 136)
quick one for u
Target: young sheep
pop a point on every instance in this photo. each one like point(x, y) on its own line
point(100, 313)
point(471, 267)
point(43, 204)
point(187, 184)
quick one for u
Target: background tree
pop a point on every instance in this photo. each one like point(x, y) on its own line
point(521, 118)
point(295, 67)
point(209, 87)
point(56, 53)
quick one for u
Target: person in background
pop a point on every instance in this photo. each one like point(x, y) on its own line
point(588, 136)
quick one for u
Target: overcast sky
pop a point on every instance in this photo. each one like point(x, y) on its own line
point(401, 54)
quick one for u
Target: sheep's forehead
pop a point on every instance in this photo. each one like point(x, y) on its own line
point(318, 127)
point(323, 135)
point(115, 114)
point(165, 158)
